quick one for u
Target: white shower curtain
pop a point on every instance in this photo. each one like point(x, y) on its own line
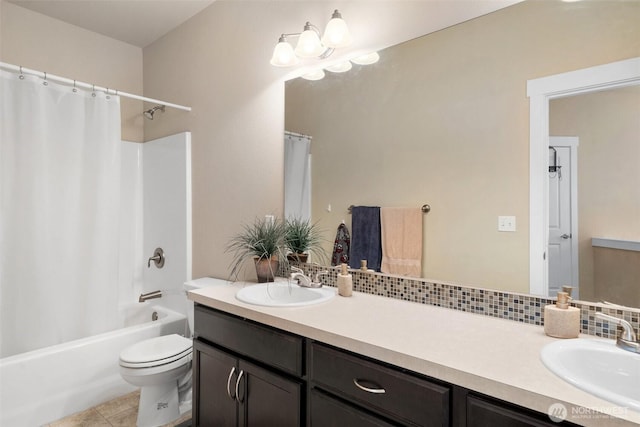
point(297, 176)
point(59, 210)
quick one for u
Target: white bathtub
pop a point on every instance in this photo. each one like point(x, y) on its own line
point(44, 385)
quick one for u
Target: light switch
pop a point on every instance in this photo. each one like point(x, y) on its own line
point(506, 223)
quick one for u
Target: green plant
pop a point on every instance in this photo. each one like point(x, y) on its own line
point(261, 240)
point(303, 237)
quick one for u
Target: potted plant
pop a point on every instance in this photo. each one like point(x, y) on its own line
point(303, 238)
point(263, 241)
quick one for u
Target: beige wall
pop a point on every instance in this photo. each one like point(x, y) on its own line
point(451, 108)
point(41, 43)
point(616, 273)
point(608, 180)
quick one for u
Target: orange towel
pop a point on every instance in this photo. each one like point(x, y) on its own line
point(401, 230)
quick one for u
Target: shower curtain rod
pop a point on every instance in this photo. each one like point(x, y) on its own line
point(297, 135)
point(78, 84)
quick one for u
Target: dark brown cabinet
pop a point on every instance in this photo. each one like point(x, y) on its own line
point(232, 390)
point(250, 374)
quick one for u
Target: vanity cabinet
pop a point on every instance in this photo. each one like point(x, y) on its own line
point(393, 394)
point(245, 374)
point(250, 374)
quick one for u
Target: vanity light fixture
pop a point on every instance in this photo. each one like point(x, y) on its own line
point(368, 59)
point(314, 75)
point(340, 67)
point(310, 44)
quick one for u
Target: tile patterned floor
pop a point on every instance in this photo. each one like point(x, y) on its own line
point(119, 412)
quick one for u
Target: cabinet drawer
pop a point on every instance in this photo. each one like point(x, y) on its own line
point(406, 398)
point(485, 413)
point(326, 411)
point(273, 347)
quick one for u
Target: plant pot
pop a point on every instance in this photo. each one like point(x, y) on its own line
point(266, 268)
point(296, 257)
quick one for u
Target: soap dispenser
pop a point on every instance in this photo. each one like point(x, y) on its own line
point(560, 319)
point(345, 282)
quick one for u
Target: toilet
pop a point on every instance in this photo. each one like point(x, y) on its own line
point(161, 367)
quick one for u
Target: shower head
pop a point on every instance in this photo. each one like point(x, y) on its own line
point(150, 112)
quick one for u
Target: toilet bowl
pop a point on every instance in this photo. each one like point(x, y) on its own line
point(161, 367)
point(156, 365)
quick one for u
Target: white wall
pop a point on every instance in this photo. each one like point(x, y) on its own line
point(166, 173)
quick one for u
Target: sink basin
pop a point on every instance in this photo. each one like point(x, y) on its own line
point(283, 294)
point(597, 367)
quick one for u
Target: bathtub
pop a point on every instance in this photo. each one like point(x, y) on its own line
point(45, 385)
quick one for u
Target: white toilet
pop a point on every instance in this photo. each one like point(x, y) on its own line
point(161, 366)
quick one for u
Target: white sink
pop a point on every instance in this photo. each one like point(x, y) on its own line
point(283, 294)
point(597, 367)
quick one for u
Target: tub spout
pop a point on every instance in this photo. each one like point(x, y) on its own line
point(150, 295)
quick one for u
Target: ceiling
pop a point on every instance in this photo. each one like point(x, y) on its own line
point(137, 22)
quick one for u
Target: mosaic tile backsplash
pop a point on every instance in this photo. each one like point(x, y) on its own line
point(505, 305)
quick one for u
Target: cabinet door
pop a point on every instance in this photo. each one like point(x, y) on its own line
point(325, 411)
point(267, 399)
point(211, 373)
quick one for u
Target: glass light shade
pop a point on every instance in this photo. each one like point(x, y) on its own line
point(309, 45)
point(283, 55)
point(336, 34)
point(314, 75)
point(340, 67)
point(369, 58)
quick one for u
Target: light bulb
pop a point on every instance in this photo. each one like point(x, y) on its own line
point(283, 55)
point(314, 75)
point(309, 45)
point(336, 34)
point(369, 58)
point(340, 67)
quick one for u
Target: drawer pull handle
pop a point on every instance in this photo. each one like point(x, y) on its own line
point(378, 390)
point(233, 370)
point(238, 398)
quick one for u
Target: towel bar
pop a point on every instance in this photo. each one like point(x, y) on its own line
point(425, 208)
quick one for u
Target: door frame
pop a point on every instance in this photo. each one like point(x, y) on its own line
point(540, 91)
point(572, 142)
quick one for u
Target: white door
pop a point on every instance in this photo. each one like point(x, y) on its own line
point(562, 250)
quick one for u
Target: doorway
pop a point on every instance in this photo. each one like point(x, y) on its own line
point(563, 240)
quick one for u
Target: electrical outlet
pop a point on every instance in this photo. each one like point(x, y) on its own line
point(506, 223)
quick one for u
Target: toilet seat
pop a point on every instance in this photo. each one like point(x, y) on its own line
point(157, 351)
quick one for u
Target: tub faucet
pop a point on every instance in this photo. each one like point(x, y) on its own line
point(150, 295)
point(627, 340)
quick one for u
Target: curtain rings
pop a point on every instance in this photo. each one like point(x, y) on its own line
point(93, 91)
point(21, 76)
point(107, 92)
point(45, 82)
point(75, 89)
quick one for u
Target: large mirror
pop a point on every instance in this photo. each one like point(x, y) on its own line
point(444, 120)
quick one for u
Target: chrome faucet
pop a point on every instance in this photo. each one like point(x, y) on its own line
point(305, 281)
point(150, 295)
point(627, 340)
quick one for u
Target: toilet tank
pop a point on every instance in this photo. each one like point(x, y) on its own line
point(203, 282)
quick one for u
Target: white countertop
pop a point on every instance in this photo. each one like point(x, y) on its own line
point(497, 357)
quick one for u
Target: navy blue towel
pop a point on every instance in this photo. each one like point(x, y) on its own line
point(365, 237)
